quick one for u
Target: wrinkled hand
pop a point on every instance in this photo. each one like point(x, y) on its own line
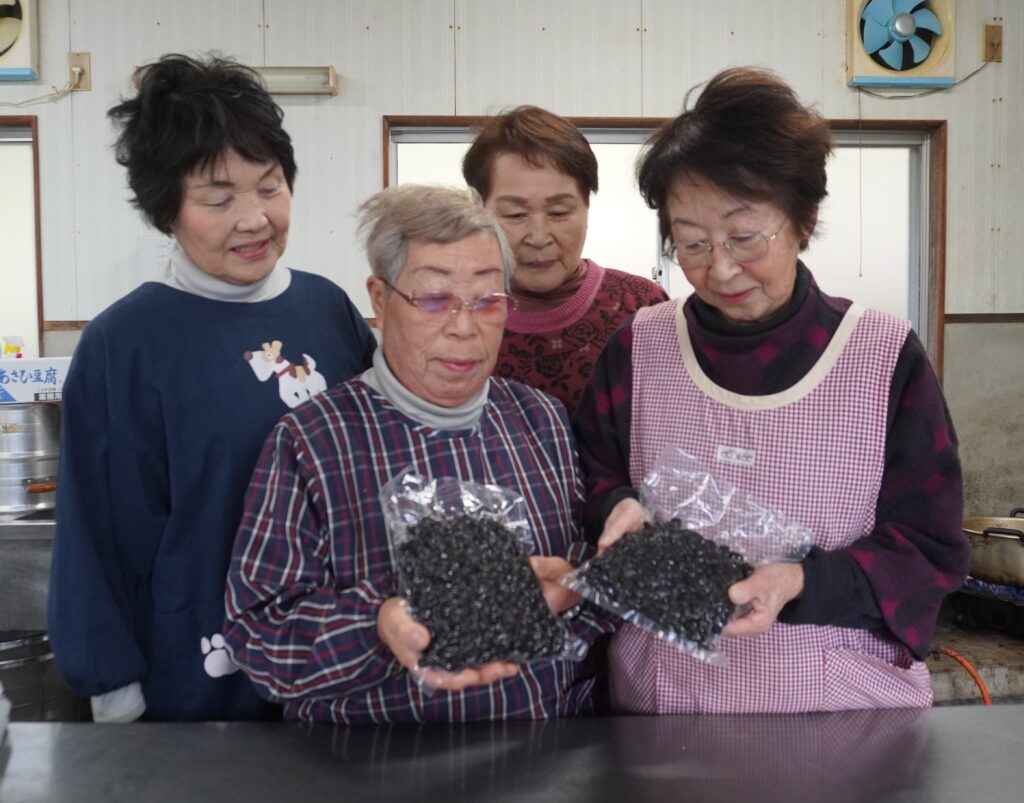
point(407, 639)
point(626, 517)
point(766, 591)
point(403, 635)
point(549, 571)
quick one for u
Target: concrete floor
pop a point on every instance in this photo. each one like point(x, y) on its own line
point(996, 655)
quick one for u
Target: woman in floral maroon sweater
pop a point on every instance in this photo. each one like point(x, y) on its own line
point(536, 172)
point(818, 407)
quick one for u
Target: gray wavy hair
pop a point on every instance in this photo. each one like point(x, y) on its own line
point(394, 217)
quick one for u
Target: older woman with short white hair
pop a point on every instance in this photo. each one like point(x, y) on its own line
point(314, 616)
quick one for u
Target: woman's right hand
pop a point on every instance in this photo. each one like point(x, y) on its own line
point(626, 517)
point(407, 639)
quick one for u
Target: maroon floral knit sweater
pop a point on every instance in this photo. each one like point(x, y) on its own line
point(554, 351)
point(895, 577)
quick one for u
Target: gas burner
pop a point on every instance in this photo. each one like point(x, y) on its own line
point(980, 588)
point(981, 605)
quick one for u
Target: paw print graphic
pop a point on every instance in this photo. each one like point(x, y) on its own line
point(217, 662)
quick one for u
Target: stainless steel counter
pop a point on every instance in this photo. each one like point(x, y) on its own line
point(966, 753)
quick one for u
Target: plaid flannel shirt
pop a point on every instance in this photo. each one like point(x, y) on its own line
point(312, 561)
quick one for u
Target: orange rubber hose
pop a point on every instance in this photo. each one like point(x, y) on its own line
point(972, 671)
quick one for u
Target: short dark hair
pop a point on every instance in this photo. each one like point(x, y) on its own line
point(749, 135)
point(537, 135)
point(186, 114)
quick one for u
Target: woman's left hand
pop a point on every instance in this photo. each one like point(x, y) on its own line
point(549, 571)
point(766, 591)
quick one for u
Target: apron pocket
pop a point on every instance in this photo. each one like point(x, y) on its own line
point(855, 679)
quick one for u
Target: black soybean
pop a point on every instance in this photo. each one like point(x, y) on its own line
point(673, 577)
point(470, 584)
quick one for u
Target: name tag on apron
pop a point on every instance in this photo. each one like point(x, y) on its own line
point(734, 455)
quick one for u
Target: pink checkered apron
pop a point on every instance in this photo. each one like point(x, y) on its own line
point(816, 452)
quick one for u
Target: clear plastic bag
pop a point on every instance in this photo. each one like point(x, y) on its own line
point(681, 487)
point(408, 497)
point(413, 506)
point(681, 491)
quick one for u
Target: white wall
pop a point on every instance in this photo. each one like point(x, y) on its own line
point(576, 57)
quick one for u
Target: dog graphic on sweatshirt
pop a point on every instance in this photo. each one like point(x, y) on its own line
point(295, 383)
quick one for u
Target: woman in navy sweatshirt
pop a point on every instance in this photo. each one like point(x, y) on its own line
point(172, 391)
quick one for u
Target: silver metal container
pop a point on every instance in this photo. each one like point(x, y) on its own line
point(32, 683)
point(26, 548)
point(997, 548)
point(29, 452)
point(27, 669)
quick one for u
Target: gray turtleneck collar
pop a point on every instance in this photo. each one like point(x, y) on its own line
point(182, 274)
point(381, 378)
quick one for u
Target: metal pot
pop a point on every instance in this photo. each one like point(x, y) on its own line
point(32, 683)
point(997, 548)
point(29, 450)
point(26, 551)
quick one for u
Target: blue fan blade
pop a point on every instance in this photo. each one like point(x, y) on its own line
point(903, 6)
point(879, 10)
point(893, 55)
point(920, 48)
point(925, 19)
point(875, 35)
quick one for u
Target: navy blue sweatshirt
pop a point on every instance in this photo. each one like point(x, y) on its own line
point(167, 403)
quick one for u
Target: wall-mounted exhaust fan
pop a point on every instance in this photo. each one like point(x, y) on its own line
point(18, 40)
point(900, 43)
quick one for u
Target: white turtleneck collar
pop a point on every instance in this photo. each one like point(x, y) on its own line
point(381, 378)
point(182, 274)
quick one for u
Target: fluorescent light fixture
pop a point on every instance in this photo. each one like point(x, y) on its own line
point(299, 80)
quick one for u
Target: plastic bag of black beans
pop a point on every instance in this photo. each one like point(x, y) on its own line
point(461, 550)
point(409, 497)
point(680, 487)
point(667, 580)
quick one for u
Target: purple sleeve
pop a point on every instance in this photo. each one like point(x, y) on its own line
point(917, 553)
point(602, 424)
point(289, 627)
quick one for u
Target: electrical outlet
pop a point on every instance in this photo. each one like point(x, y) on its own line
point(80, 72)
point(992, 44)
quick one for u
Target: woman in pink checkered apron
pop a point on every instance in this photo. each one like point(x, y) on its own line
point(817, 406)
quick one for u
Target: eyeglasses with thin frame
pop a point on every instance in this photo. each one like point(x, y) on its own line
point(745, 246)
point(488, 307)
